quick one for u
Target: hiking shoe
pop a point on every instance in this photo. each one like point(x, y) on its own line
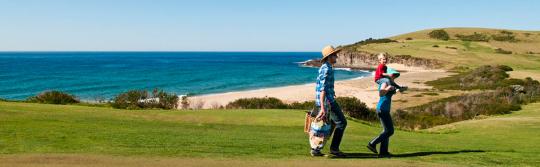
point(372, 148)
point(316, 153)
point(337, 153)
point(385, 155)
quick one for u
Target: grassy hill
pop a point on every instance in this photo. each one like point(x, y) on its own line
point(52, 135)
point(525, 56)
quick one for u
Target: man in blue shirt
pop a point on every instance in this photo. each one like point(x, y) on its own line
point(325, 99)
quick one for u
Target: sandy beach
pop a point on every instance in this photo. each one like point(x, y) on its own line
point(361, 88)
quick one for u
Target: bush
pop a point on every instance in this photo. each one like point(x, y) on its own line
point(474, 37)
point(502, 51)
point(351, 106)
point(139, 99)
point(435, 46)
point(307, 105)
point(371, 40)
point(504, 36)
point(355, 108)
point(408, 38)
point(257, 103)
point(53, 97)
point(439, 34)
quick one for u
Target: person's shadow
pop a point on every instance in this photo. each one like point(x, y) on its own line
point(415, 154)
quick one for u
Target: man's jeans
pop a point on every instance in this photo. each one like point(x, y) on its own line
point(337, 117)
point(388, 130)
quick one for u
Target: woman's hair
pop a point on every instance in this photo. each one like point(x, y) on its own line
point(382, 55)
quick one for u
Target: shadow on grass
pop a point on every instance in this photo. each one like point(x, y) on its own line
point(415, 154)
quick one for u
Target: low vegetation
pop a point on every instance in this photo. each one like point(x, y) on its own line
point(484, 77)
point(53, 97)
point(505, 36)
point(141, 99)
point(502, 51)
point(501, 95)
point(439, 34)
point(371, 41)
point(351, 106)
point(479, 37)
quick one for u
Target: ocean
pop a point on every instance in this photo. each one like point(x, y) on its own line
point(101, 75)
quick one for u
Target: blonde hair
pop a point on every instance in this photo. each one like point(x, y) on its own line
point(382, 55)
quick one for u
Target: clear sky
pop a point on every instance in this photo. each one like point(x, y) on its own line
point(239, 25)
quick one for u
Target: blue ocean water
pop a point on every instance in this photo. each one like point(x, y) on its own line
point(102, 75)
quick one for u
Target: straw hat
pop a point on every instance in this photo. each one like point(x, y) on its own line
point(328, 51)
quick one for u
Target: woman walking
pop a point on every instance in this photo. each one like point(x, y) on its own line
point(386, 91)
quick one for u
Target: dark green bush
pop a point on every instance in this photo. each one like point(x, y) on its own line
point(132, 99)
point(474, 37)
point(435, 46)
point(502, 51)
point(53, 97)
point(504, 36)
point(355, 108)
point(139, 99)
point(307, 105)
point(371, 40)
point(439, 34)
point(257, 103)
point(408, 38)
point(351, 106)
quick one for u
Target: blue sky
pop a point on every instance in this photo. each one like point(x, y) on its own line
point(239, 25)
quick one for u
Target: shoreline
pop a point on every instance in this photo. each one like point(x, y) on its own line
point(363, 88)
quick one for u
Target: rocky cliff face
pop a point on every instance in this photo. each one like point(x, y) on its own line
point(368, 61)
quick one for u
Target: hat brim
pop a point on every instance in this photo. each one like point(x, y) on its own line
point(332, 53)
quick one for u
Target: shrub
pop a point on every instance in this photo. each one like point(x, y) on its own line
point(165, 100)
point(371, 40)
point(53, 97)
point(257, 103)
point(435, 46)
point(307, 105)
point(502, 51)
point(408, 38)
point(139, 99)
point(474, 37)
point(355, 108)
point(350, 106)
point(132, 99)
point(185, 102)
point(504, 36)
point(451, 47)
point(439, 34)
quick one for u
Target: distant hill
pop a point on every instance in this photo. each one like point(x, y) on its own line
point(521, 53)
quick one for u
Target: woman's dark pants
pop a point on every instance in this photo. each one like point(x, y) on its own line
point(388, 130)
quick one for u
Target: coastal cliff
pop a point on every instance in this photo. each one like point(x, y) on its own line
point(362, 60)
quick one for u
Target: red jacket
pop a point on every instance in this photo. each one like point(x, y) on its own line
point(379, 72)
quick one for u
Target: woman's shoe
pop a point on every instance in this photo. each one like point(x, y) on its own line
point(385, 155)
point(372, 148)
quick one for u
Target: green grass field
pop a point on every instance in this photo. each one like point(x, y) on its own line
point(52, 134)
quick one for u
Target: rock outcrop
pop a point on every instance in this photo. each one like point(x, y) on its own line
point(362, 60)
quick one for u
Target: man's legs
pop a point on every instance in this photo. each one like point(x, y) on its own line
point(340, 122)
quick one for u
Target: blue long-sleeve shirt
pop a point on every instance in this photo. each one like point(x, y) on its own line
point(325, 82)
